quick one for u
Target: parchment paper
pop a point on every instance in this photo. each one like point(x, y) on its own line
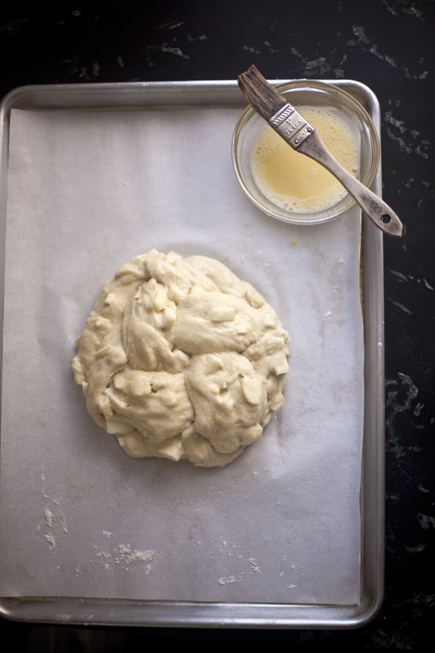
point(79, 518)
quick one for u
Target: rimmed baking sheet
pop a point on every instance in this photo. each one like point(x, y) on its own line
point(282, 530)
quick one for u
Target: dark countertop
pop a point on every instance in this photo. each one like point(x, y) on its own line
point(389, 46)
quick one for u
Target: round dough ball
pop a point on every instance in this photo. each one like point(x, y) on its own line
point(180, 359)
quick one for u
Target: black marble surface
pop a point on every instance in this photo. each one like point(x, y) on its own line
point(386, 44)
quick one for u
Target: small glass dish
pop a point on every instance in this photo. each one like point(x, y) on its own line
point(307, 93)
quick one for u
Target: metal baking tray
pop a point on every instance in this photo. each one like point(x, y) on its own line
point(226, 94)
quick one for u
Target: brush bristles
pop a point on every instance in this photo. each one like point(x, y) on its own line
point(260, 94)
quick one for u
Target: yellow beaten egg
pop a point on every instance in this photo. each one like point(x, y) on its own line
point(292, 180)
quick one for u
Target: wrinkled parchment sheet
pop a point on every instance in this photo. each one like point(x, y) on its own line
point(87, 191)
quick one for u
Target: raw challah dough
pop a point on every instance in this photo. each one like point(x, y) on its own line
point(181, 359)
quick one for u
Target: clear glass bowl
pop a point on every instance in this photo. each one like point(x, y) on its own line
point(313, 94)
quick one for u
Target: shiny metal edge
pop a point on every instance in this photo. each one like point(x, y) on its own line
point(101, 612)
point(167, 96)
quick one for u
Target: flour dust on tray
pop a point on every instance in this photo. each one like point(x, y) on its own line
point(180, 359)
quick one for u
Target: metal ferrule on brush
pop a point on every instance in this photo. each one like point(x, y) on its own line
point(291, 125)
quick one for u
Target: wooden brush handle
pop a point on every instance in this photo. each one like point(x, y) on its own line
point(372, 205)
